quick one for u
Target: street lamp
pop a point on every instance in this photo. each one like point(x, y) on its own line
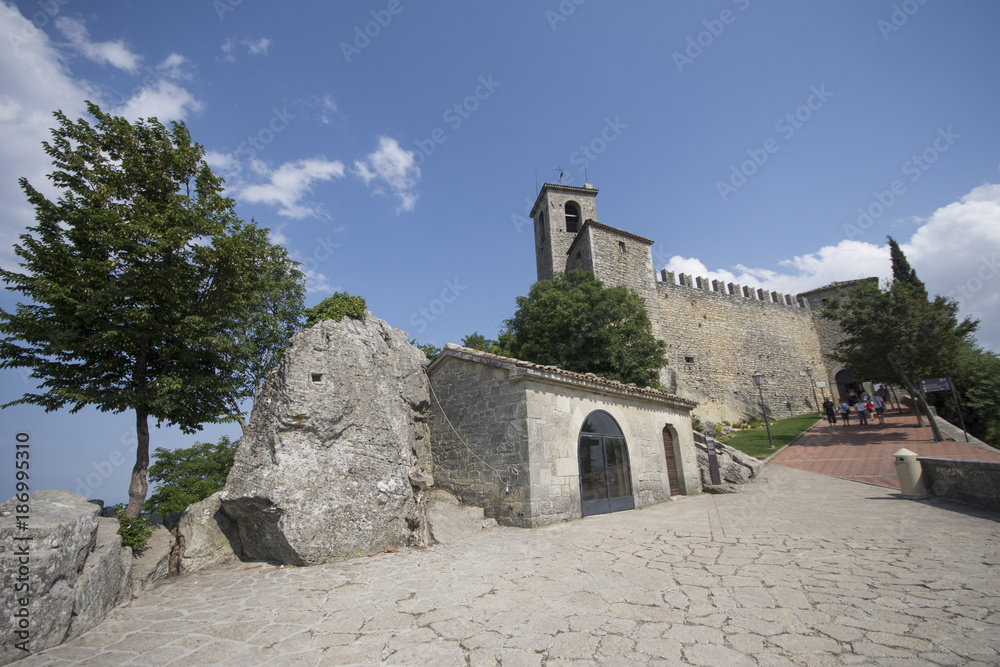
point(809, 372)
point(758, 379)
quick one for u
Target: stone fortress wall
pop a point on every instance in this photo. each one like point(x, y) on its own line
point(717, 334)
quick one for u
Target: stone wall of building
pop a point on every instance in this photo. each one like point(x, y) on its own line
point(829, 331)
point(556, 413)
point(716, 340)
point(552, 240)
point(618, 259)
point(483, 463)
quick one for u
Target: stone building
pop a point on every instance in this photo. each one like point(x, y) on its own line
point(717, 335)
point(534, 445)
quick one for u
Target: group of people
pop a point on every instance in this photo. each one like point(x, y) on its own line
point(865, 407)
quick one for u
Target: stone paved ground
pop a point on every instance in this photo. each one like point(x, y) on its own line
point(800, 569)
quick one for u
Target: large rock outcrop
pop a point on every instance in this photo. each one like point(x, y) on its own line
point(72, 562)
point(735, 467)
point(207, 536)
point(323, 471)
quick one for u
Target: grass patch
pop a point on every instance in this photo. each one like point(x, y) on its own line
point(753, 442)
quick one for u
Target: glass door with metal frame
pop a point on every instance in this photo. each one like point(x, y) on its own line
point(605, 478)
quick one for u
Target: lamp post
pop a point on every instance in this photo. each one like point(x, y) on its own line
point(809, 372)
point(758, 379)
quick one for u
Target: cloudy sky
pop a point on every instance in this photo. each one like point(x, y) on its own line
point(394, 147)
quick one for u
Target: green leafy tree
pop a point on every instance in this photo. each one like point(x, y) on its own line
point(261, 333)
point(896, 335)
point(902, 272)
point(335, 307)
point(139, 280)
point(576, 323)
point(976, 378)
point(477, 341)
point(429, 350)
point(185, 476)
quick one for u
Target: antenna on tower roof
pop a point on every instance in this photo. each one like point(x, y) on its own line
point(561, 172)
point(586, 176)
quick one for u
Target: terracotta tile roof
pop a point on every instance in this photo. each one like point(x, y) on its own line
point(607, 228)
point(839, 285)
point(560, 375)
point(560, 186)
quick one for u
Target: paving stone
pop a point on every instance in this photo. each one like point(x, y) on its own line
point(714, 655)
point(764, 578)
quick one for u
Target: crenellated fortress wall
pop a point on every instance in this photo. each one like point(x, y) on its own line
point(717, 334)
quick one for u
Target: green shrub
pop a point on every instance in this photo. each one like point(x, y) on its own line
point(134, 532)
point(696, 424)
point(188, 475)
point(335, 307)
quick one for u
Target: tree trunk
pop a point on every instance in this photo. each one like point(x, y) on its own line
point(137, 488)
point(916, 406)
point(920, 401)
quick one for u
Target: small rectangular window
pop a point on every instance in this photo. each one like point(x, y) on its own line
point(621, 246)
point(317, 377)
point(688, 360)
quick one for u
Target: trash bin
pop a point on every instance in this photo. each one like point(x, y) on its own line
point(910, 474)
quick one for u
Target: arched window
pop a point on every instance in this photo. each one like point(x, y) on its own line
point(572, 217)
point(605, 476)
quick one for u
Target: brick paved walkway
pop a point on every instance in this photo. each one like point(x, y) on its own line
point(865, 454)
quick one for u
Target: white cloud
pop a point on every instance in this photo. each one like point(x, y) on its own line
point(290, 183)
point(394, 167)
point(115, 54)
point(956, 252)
point(231, 46)
point(35, 83)
point(160, 94)
point(163, 99)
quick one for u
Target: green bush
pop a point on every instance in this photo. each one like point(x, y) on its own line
point(696, 424)
point(335, 307)
point(189, 475)
point(134, 532)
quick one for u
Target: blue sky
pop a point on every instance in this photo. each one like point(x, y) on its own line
point(394, 146)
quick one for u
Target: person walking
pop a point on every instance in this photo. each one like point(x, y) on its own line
point(831, 416)
point(845, 413)
point(862, 413)
point(879, 405)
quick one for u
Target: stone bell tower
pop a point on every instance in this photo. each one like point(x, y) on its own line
point(559, 213)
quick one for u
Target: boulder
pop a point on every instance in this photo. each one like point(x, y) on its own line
point(207, 536)
point(105, 581)
point(322, 472)
point(449, 521)
point(735, 467)
point(152, 563)
point(46, 553)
